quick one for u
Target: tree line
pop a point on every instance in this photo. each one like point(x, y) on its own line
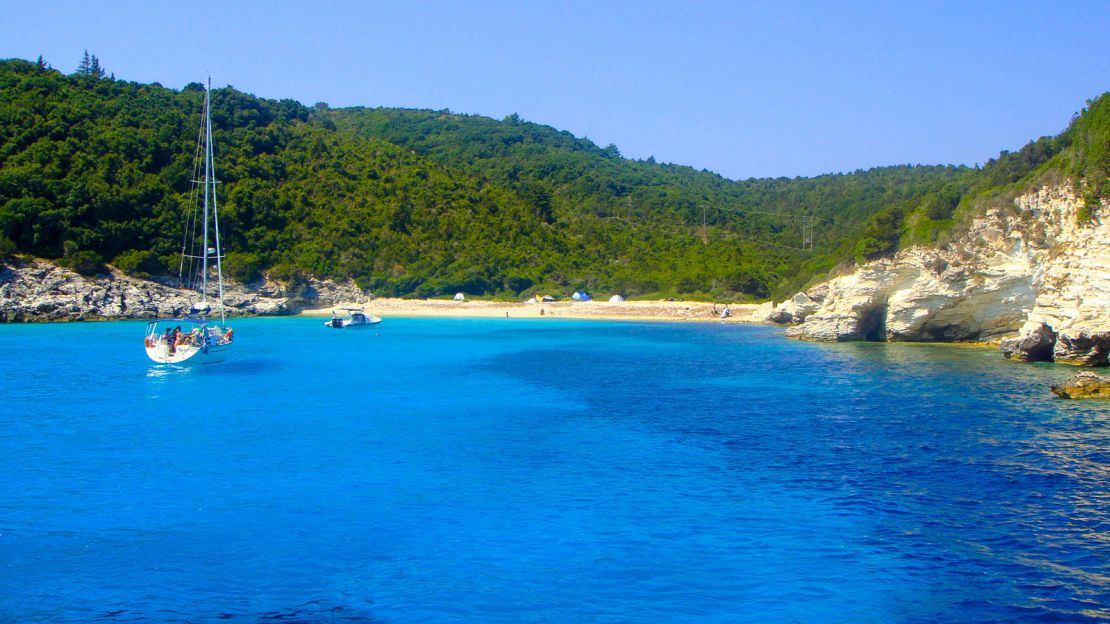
point(95, 170)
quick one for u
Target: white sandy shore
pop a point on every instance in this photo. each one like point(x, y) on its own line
point(629, 310)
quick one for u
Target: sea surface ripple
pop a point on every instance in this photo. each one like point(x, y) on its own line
point(543, 471)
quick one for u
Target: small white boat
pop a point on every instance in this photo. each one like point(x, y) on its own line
point(354, 318)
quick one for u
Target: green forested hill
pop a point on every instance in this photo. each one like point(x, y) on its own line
point(424, 202)
point(584, 183)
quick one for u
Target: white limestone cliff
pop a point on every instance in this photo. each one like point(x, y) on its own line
point(1031, 270)
point(32, 289)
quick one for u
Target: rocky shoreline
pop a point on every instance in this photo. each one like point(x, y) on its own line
point(1032, 275)
point(35, 290)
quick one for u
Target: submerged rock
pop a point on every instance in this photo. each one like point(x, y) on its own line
point(1084, 385)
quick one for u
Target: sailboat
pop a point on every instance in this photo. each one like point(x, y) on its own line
point(197, 338)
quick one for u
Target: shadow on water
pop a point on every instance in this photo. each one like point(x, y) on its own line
point(253, 366)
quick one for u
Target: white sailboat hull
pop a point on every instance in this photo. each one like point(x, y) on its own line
point(189, 355)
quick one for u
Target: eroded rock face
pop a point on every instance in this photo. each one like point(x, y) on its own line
point(1030, 268)
point(1085, 385)
point(1083, 348)
point(37, 290)
point(799, 307)
point(1035, 345)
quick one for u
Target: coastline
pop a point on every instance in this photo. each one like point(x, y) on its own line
point(689, 311)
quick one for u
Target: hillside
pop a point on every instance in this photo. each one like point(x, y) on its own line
point(584, 182)
point(422, 203)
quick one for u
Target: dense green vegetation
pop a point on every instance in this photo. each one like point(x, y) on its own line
point(96, 170)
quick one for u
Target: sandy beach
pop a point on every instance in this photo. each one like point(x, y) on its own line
point(628, 310)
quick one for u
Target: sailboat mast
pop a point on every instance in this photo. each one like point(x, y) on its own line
point(216, 217)
point(207, 184)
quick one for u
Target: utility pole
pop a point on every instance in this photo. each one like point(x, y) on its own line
point(807, 232)
point(704, 227)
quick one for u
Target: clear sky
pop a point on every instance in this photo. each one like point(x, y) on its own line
point(746, 89)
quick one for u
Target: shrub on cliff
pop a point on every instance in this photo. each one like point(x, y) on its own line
point(7, 247)
point(140, 263)
point(245, 267)
point(84, 262)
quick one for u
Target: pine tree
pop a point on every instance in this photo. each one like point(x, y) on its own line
point(41, 63)
point(85, 68)
point(95, 70)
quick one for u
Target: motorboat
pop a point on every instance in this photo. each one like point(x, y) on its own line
point(353, 318)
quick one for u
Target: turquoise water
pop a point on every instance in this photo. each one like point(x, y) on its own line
point(543, 471)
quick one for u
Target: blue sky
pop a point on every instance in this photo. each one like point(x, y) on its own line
point(744, 89)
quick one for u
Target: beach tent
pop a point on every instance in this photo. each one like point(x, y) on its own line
point(616, 299)
point(547, 298)
point(460, 297)
point(580, 296)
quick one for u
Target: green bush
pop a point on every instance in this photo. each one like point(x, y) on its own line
point(245, 267)
point(140, 263)
point(7, 247)
point(84, 262)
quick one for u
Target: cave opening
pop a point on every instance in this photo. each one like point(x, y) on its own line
point(873, 325)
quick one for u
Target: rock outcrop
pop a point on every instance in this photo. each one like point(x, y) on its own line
point(1082, 348)
point(1035, 345)
point(38, 290)
point(1031, 271)
point(1084, 385)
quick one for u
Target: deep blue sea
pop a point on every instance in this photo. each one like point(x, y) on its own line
point(543, 471)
